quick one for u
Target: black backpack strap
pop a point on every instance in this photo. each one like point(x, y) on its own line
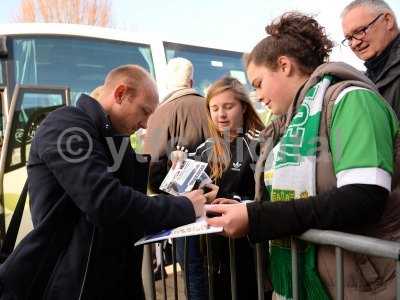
point(13, 228)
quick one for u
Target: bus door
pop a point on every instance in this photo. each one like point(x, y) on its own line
point(2, 120)
point(3, 98)
point(29, 106)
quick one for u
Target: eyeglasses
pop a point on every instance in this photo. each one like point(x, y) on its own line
point(360, 34)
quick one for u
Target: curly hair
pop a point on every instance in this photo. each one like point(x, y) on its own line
point(295, 35)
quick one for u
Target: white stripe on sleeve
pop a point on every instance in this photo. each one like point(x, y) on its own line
point(375, 176)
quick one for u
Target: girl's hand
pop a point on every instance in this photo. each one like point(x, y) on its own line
point(178, 156)
point(225, 201)
point(233, 218)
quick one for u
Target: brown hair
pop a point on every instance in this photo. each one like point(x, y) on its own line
point(295, 35)
point(220, 157)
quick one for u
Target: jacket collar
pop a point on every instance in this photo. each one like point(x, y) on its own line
point(377, 66)
point(179, 93)
point(338, 70)
point(94, 110)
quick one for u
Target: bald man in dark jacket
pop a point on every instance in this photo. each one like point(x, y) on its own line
point(88, 203)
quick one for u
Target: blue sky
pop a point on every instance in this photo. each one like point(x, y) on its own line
point(232, 23)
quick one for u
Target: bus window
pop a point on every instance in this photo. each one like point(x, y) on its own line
point(1, 120)
point(30, 110)
point(79, 63)
point(2, 77)
point(3, 56)
point(30, 106)
point(209, 64)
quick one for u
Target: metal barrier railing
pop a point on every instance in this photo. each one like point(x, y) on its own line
point(340, 240)
point(350, 242)
point(149, 281)
point(175, 269)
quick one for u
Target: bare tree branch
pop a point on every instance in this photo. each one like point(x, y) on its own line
point(28, 10)
point(88, 12)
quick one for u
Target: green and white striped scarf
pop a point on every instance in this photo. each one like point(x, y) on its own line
point(290, 173)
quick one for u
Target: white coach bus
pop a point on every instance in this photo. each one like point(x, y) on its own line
point(44, 66)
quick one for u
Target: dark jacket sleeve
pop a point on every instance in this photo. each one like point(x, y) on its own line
point(158, 170)
point(348, 206)
point(91, 185)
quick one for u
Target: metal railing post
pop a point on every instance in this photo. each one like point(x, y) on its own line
point(210, 269)
point(339, 274)
point(186, 266)
point(164, 285)
point(295, 269)
point(174, 269)
point(260, 271)
point(398, 279)
point(148, 275)
point(232, 261)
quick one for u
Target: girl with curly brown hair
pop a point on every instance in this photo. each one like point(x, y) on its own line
point(326, 162)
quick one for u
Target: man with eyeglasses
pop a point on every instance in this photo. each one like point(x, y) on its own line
point(371, 31)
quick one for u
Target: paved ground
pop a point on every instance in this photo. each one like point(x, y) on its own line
point(169, 282)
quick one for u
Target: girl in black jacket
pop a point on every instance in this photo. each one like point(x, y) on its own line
point(231, 153)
